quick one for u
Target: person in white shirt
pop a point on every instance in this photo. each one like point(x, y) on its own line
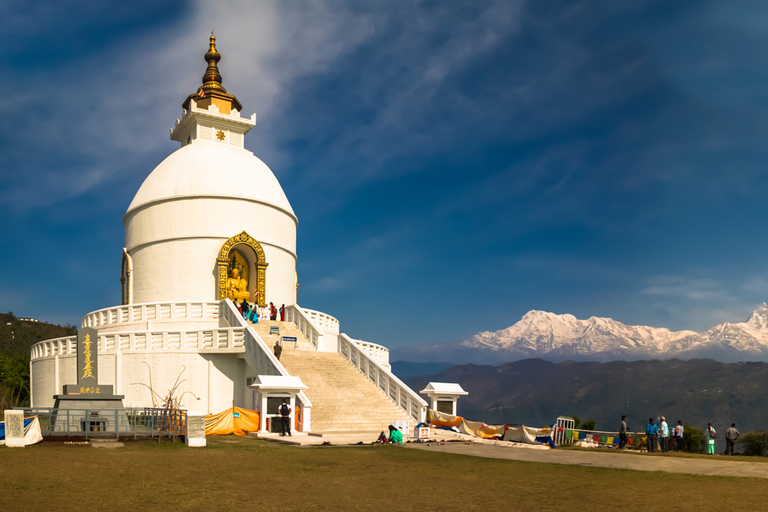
point(679, 436)
point(664, 435)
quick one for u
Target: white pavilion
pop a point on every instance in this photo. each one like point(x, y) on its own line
point(211, 224)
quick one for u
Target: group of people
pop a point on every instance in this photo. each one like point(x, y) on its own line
point(395, 436)
point(254, 312)
point(660, 435)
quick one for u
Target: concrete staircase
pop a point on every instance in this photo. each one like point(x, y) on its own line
point(286, 329)
point(343, 399)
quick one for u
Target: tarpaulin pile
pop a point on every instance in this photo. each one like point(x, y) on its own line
point(633, 440)
point(232, 421)
point(32, 432)
point(514, 433)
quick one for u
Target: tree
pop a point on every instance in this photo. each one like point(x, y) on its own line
point(693, 439)
point(587, 425)
point(754, 443)
point(14, 380)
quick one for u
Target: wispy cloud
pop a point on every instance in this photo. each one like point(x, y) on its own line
point(685, 287)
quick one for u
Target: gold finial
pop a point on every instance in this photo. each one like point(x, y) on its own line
point(212, 91)
point(212, 78)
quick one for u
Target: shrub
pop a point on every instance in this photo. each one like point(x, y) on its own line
point(588, 425)
point(754, 443)
point(693, 439)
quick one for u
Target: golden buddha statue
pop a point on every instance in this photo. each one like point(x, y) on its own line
point(237, 288)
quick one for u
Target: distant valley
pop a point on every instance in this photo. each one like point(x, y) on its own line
point(535, 392)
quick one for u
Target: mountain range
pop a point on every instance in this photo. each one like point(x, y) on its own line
point(564, 337)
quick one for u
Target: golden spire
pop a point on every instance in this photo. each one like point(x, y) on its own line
point(212, 92)
point(212, 78)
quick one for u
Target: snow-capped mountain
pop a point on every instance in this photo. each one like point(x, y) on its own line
point(543, 334)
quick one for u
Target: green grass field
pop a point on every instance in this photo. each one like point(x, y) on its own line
point(235, 473)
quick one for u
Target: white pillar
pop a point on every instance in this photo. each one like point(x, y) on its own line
point(195, 435)
point(14, 428)
point(263, 414)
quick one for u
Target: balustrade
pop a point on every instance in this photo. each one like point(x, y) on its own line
point(394, 388)
point(154, 311)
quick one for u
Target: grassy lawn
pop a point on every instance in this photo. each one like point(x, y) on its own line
point(234, 473)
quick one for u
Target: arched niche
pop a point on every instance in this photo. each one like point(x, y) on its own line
point(126, 269)
point(251, 250)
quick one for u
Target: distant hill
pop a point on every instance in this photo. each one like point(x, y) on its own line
point(535, 392)
point(407, 369)
point(17, 336)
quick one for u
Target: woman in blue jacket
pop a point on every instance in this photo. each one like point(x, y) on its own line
point(651, 434)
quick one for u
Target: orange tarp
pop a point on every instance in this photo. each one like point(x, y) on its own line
point(441, 419)
point(232, 421)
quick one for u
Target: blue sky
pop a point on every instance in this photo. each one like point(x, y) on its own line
point(452, 164)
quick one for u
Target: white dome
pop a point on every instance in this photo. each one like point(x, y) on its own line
point(213, 170)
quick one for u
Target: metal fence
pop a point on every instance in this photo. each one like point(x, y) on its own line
point(136, 422)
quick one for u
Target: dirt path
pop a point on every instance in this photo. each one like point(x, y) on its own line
point(717, 465)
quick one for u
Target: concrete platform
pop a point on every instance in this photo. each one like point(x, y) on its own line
point(309, 439)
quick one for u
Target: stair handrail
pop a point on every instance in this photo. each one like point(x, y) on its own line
point(323, 321)
point(255, 345)
point(415, 406)
point(294, 313)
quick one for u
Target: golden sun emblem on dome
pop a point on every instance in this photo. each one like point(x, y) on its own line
point(219, 135)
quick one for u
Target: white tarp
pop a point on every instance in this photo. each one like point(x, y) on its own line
point(523, 434)
point(32, 432)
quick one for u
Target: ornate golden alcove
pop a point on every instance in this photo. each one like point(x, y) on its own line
point(231, 257)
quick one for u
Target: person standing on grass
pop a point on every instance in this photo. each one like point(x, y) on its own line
point(664, 435)
point(679, 436)
point(285, 418)
point(731, 435)
point(651, 433)
point(623, 432)
point(709, 438)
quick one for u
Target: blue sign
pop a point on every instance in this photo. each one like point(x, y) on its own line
point(289, 338)
point(274, 329)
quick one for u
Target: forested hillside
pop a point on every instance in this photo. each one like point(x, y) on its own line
point(16, 338)
point(535, 392)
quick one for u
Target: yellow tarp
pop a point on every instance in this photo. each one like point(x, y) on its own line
point(232, 421)
point(441, 419)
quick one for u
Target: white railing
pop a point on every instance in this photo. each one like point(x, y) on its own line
point(151, 312)
point(394, 388)
point(55, 347)
point(322, 321)
point(376, 351)
point(295, 314)
point(229, 313)
point(257, 354)
point(227, 339)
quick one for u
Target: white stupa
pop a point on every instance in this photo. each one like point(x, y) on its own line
point(211, 227)
point(211, 195)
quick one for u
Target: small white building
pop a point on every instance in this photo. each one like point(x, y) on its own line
point(443, 396)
